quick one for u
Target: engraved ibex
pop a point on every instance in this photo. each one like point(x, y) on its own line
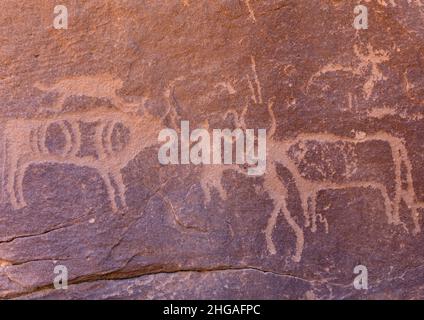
point(25, 144)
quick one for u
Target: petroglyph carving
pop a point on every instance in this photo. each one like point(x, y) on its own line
point(226, 86)
point(368, 66)
point(24, 144)
point(280, 153)
point(309, 189)
point(99, 86)
point(256, 92)
point(251, 12)
point(400, 158)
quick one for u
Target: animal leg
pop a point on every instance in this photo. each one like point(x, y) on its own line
point(116, 178)
point(109, 188)
point(278, 194)
point(313, 210)
point(304, 201)
point(12, 168)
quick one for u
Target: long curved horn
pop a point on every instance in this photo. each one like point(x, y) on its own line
point(108, 137)
point(68, 139)
point(41, 138)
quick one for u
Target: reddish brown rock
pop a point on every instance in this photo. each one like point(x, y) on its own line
point(82, 186)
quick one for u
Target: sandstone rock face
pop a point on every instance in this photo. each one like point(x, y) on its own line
point(82, 187)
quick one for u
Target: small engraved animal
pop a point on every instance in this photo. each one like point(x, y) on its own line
point(103, 86)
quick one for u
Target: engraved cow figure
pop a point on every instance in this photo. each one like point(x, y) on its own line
point(280, 152)
point(24, 143)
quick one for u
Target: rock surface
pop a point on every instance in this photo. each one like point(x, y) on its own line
point(82, 187)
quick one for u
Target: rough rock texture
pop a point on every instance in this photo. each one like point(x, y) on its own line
point(80, 110)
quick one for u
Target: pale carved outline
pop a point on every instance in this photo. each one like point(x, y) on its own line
point(24, 140)
point(278, 153)
point(24, 144)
